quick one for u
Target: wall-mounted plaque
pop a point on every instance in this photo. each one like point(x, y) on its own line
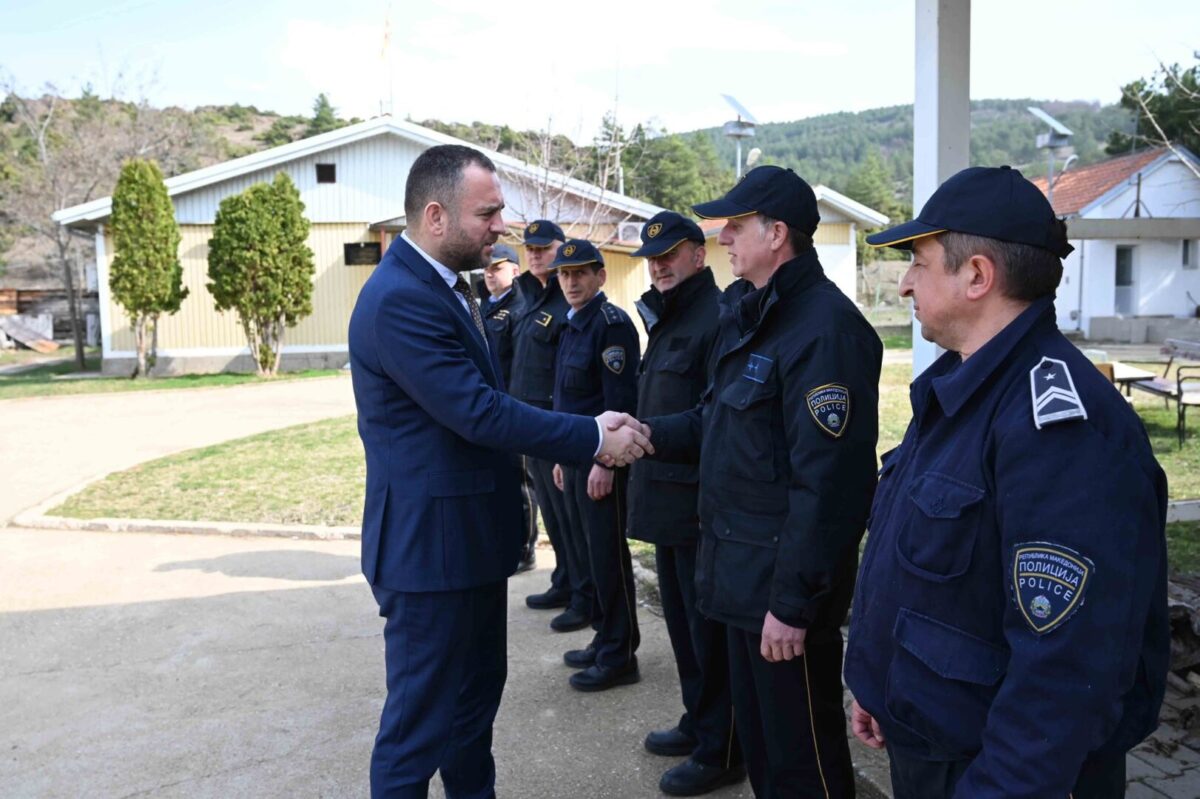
point(362, 253)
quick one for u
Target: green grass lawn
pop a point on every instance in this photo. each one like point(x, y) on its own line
point(47, 380)
point(313, 474)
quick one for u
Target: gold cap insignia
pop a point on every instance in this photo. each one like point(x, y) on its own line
point(533, 228)
point(568, 251)
point(654, 229)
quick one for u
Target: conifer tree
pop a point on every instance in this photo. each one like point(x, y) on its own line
point(146, 278)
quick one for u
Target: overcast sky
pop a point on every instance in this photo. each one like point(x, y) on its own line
point(563, 65)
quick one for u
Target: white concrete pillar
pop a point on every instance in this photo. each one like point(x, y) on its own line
point(941, 114)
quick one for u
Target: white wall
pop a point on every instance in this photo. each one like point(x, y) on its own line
point(1160, 283)
point(369, 188)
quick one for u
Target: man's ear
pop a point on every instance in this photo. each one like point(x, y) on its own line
point(603, 276)
point(980, 277)
point(435, 218)
point(779, 235)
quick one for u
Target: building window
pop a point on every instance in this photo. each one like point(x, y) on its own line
point(326, 173)
point(1190, 261)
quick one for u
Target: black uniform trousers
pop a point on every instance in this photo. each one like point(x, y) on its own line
point(1102, 777)
point(446, 667)
point(701, 658)
point(529, 507)
point(790, 719)
point(607, 552)
point(554, 516)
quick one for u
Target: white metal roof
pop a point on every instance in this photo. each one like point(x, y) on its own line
point(190, 181)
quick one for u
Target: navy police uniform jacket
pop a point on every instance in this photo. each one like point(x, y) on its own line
point(682, 328)
point(535, 339)
point(500, 318)
point(442, 509)
point(1012, 602)
point(598, 355)
point(786, 440)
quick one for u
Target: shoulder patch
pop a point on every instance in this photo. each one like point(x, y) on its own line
point(612, 314)
point(830, 408)
point(1048, 583)
point(500, 315)
point(1053, 394)
point(614, 359)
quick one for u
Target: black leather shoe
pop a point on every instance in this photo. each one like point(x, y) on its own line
point(601, 678)
point(580, 658)
point(690, 778)
point(549, 600)
point(528, 561)
point(569, 620)
point(670, 743)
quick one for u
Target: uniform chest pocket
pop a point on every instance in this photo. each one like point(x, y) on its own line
point(576, 371)
point(543, 328)
point(938, 538)
point(750, 450)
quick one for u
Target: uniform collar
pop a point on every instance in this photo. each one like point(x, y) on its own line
point(655, 306)
point(532, 289)
point(579, 319)
point(955, 381)
point(791, 278)
point(497, 300)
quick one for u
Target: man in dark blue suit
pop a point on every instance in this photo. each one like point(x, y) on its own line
point(442, 519)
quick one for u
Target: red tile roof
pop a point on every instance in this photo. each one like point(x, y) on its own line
point(1077, 188)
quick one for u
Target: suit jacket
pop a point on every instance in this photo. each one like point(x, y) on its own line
point(442, 509)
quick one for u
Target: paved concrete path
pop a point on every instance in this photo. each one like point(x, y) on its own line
point(157, 665)
point(51, 444)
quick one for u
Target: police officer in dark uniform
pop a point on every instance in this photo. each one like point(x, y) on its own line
point(535, 345)
point(501, 307)
point(786, 440)
point(680, 313)
point(597, 366)
point(1009, 635)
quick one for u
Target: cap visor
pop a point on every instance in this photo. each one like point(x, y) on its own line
point(540, 241)
point(557, 264)
point(722, 209)
point(654, 249)
point(902, 236)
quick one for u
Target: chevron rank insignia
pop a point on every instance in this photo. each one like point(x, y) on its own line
point(1053, 393)
point(1048, 583)
point(614, 359)
point(830, 408)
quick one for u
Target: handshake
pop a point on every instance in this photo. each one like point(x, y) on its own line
point(625, 439)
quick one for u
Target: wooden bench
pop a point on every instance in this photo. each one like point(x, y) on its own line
point(1184, 388)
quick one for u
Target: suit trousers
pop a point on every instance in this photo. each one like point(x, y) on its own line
point(916, 778)
point(446, 667)
point(790, 719)
point(554, 516)
point(701, 658)
point(607, 553)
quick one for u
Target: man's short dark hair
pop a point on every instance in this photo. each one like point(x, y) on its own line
point(801, 242)
point(1026, 272)
point(436, 176)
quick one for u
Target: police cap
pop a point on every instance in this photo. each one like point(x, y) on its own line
point(993, 202)
point(502, 252)
point(771, 191)
point(543, 233)
point(665, 231)
point(577, 252)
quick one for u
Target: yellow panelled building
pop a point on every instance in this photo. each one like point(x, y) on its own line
point(351, 182)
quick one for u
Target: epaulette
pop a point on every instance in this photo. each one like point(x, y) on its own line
point(500, 315)
point(613, 314)
point(1052, 391)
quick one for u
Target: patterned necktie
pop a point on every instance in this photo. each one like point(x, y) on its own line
point(464, 289)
